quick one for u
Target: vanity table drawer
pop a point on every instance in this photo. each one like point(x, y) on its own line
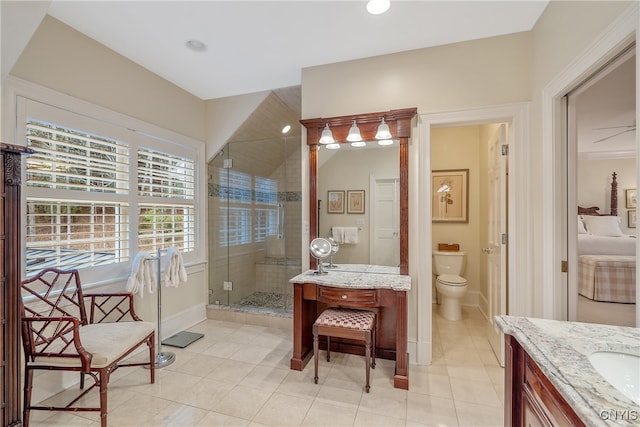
point(360, 297)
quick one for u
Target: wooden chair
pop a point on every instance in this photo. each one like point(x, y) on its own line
point(58, 335)
point(346, 323)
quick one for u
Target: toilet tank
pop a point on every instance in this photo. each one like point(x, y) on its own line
point(448, 262)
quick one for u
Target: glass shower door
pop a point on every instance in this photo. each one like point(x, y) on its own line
point(253, 211)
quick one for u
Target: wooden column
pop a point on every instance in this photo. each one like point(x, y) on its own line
point(10, 297)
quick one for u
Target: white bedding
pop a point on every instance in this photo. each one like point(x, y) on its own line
point(590, 244)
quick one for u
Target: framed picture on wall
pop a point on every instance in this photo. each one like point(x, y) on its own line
point(335, 201)
point(631, 219)
point(450, 195)
point(355, 201)
point(630, 196)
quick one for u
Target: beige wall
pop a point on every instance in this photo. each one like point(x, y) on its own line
point(462, 75)
point(594, 185)
point(563, 32)
point(61, 58)
point(461, 148)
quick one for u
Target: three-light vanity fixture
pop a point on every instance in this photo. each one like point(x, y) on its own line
point(383, 136)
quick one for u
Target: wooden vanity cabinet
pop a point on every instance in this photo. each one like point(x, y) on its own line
point(530, 398)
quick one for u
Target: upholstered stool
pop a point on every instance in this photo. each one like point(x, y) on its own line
point(346, 323)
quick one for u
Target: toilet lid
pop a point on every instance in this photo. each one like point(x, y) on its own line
point(452, 279)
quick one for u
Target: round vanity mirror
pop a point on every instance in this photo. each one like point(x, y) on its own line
point(320, 248)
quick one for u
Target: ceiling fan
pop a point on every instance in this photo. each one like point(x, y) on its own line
point(625, 129)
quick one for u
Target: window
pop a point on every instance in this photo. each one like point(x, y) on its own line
point(251, 211)
point(76, 228)
point(97, 193)
point(168, 180)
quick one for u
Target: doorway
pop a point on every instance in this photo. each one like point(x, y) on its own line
point(601, 186)
point(518, 216)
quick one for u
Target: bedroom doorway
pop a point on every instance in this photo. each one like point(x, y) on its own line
point(601, 186)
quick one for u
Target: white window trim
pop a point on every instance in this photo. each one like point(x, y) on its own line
point(146, 134)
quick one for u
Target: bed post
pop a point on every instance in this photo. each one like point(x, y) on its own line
point(614, 195)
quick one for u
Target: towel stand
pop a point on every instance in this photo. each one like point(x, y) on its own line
point(165, 358)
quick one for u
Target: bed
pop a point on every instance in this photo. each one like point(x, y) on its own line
point(606, 256)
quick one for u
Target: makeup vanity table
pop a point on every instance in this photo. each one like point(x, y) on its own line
point(375, 288)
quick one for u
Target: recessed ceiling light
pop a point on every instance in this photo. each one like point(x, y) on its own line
point(196, 45)
point(377, 7)
point(286, 129)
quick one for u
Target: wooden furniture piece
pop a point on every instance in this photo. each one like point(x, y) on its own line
point(399, 122)
point(613, 211)
point(66, 330)
point(530, 398)
point(384, 294)
point(349, 324)
point(10, 272)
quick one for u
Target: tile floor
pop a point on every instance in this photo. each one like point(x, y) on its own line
point(238, 375)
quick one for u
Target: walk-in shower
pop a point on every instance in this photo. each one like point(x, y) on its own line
point(254, 198)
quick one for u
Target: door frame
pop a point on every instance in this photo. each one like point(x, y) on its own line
point(621, 33)
point(519, 217)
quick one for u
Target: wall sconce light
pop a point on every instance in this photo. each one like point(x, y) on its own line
point(359, 144)
point(354, 133)
point(333, 146)
point(383, 131)
point(385, 142)
point(326, 137)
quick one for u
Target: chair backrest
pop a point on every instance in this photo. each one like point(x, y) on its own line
point(52, 307)
point(53, 293)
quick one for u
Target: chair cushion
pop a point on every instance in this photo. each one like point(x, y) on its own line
point(347, 318)
point(107, 342)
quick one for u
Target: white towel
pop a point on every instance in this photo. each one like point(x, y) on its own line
point(350, 235)
point(142, 274)
point(337, 233)
point(174, 271)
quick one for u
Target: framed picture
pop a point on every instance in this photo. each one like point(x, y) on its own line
point(335, 201)
point(450, 195)
point(630, 196)
point(355, 201)
point(631, 219)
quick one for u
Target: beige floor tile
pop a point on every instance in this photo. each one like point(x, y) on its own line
point(283, 410)
point(231, 371)
point(242, 402)
point(214, 419)
point(323, 413)
point(365, 418)
point(430, 410)
point(431, 384)
point(468, 372)
point(477, 392)
point(471, 415)
point(239, 375)
point(265, 378)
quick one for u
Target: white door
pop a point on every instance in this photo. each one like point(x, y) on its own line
point(496, 253)
point(385, 222)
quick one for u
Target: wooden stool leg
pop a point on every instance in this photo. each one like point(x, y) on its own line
point(328, 348)
point(367, 357)
point(315, 354)
point(373, 350)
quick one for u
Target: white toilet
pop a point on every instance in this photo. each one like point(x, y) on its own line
point(451, 286)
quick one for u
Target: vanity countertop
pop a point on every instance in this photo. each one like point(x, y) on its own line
point(561, 350)
point(356, 279)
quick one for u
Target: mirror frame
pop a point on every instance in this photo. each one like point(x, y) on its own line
point(399, 122)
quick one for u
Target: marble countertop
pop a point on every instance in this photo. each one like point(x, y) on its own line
point(561, 350)
point(356, 279)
